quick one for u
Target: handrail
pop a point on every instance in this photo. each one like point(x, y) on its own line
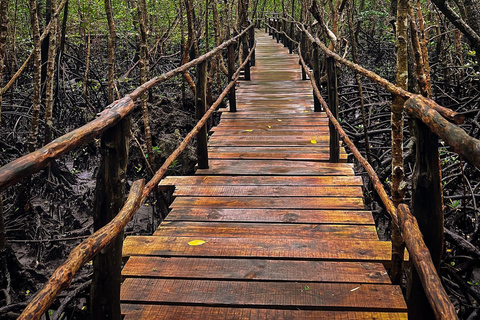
point(90, 247)
point(436, 294)
point(28, 164)
point(282, 32)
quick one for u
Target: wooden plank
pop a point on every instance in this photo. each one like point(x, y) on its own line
point(273, 122)
point(322, 155)
point(262, 180)
point(255, 269)
point(259, 141)
point(269, 202)
point(337, 296)
point(265, 132)
point(272, 215)
point(261, 231)
point(271, 191)
point(276, 167)
point(347, 250)
point(175, 312)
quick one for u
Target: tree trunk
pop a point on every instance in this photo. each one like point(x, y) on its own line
point(3, 44)
point(36, 99)
point(398, 183)
point(111, 50)
point(49, 80)
point(142, 23)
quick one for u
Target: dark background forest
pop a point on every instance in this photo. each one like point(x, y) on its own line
point(62, 62)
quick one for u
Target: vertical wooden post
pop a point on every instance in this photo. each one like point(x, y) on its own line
point(200, 108)
point(267, 21)
point(277, 28)
point(290, 42)
point(333, 105)
point(231, 70)
point(427, 207)
point(251, 39)
point(317, 107)
point(303, 48)
point(246, 70)
point(109, 199)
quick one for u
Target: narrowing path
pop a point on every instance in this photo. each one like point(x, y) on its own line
point(271, 230)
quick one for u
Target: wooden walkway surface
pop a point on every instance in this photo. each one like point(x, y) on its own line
point(271, 230)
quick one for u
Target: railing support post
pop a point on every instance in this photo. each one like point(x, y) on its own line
point(246, 70)
point(427, 207)
point(200, 107)
point(303, 48)
point(251, 39)
point(109, 199)
point(231, 70)
point(333, 105)
point(317, 107)
point(277, 29)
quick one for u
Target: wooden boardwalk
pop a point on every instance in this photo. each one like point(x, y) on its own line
point(271, 230)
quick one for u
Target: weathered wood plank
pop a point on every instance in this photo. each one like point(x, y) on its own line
point(307, 249)
point(169, 312)
point(255, 269)
point(269, 202)
point(337, 296)
point(271, 191)
point(262, 180)
point(261, 231)
point(272, 215)
point(276, 167)
point(265, 132)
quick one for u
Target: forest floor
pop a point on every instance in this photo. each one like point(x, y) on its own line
point(58, 215)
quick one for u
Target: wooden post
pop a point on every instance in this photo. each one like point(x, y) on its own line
point(200, 108)
point(246, 70)
point(251, 39)
point(109, 199)
point(231, 70)
point(427, 207)
point(290, 42)
point(317, 107)
point(277, 26)
point(333, 104)
point(303, 49)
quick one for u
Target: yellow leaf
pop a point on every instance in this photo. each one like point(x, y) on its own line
point(306, 111)
point(196, 242)
point(269, 127)
point(279, 120)
point(313, 141)
point(248, 130)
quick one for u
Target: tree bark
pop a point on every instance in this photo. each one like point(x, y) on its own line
point(36, 98)
point(49, 80)
point(144, 63)
point(3, 44)
point(111, 51)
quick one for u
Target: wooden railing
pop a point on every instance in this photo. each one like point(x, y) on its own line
point(114, 119)
point(432, 118)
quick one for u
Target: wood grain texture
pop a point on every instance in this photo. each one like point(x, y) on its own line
point(276, 167)
point(255, 269)
point(272, 191)
point(263, 230)
point(308, 249)
point(262, 181)
point(271, 215)
point(168, 312)
point(339, 296)
point(269, 202)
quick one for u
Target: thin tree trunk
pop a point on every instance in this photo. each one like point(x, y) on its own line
point(142, 23)
point(49, 80)
point(111, 50)
point(36, 99)
point(398, 184)
point(3, 43)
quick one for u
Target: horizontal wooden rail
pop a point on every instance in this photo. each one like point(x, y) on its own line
point(90, 247)
point(454, 136)
point(282, 32)
point(22, 167)
point(447, 113)
point(419, 253)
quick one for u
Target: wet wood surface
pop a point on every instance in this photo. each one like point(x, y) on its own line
point(271, 230)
